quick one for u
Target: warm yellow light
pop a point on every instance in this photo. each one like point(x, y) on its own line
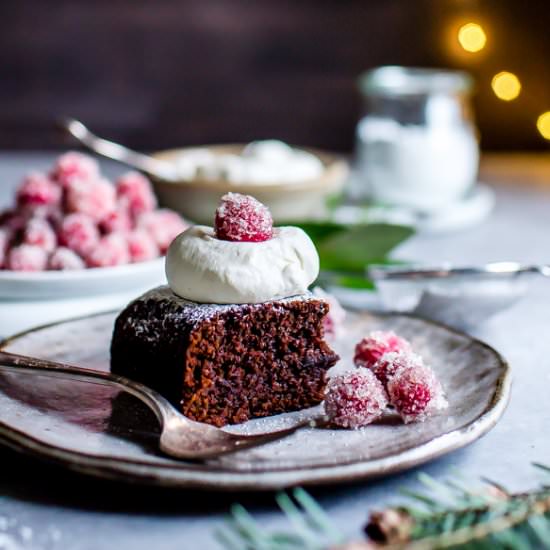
point(543, 125)
point(472, 37)
point(506, 85)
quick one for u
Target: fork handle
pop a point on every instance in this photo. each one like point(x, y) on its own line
point(159, 405)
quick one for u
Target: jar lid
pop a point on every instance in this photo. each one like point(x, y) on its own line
point(395, 80)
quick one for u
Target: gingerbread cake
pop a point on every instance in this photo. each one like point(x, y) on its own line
point(224, 364)
point(236, 334)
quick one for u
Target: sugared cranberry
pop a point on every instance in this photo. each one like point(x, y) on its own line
point(415, 393)
point(26, 257)
point(79, 233)
point(39, 232)
point(163, 226)
point(111, 250)
point(141, 246)
point(95, 198)
point(64, 259)
point(334, 320)
point(243, 218)
point(373, 346)
point(134, 192)
point(354, 399)
point(394, 361)
point(117, 221)
point(74, 166)
point(38, 191)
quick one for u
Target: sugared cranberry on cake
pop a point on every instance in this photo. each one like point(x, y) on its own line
point(235, 335)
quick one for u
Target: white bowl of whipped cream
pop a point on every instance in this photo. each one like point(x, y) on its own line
point(293, 182)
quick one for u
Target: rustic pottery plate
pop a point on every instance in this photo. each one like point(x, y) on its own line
point(99, 431)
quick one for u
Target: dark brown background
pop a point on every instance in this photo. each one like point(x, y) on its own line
point(160, 73)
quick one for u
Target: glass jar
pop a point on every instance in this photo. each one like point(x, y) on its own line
point(417, 144)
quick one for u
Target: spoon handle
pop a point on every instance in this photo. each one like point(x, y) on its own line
point(157, 168)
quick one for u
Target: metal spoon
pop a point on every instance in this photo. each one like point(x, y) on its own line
point(157, 168)
point(459, 296)
point(492, 270)
point(180, 437)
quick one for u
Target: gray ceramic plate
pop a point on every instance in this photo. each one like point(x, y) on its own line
point(96, 430)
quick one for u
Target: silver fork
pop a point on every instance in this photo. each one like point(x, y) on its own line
point(180, 437)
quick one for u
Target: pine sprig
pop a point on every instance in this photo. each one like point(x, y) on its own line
point(312, 528)
point(494, 522)
point(444, 515)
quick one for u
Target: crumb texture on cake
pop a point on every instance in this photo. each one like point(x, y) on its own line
point(224, 364)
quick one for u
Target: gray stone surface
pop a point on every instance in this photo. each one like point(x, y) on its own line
point(65, 511)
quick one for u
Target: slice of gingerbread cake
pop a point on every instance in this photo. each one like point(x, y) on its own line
point(235, 335)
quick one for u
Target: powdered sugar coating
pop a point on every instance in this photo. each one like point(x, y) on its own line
point(416, 393)
point(116, 221)
point(40, 233)
point(95, 198)
point(64, 259)
point(377, 343)
point(141, 246)
point(74, 206)
point(27, 257)
point(79, 233)
point(394, 361)
point(354, 399)
point(193, 312)
point(163, 225)
point(38, 191)
point(242, 218)
point(134, 193)
point(74, 166)
point(110, 250)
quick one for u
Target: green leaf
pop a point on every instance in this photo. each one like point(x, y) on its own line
point(318, 231)
point(357, 246)
point(349, 281)
point(333, 201)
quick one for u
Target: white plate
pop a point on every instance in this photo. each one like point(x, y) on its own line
point(19, 285)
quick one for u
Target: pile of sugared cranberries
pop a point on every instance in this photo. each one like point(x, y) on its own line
point(73, 218)
point(242, 218)
point(408, 385)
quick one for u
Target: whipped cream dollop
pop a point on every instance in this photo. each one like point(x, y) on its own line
point(203, 268)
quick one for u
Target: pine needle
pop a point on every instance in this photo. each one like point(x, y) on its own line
point(317, 516)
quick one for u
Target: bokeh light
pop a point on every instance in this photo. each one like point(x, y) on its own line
point(472, 37)
point(543, 125)
point(506, 86)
